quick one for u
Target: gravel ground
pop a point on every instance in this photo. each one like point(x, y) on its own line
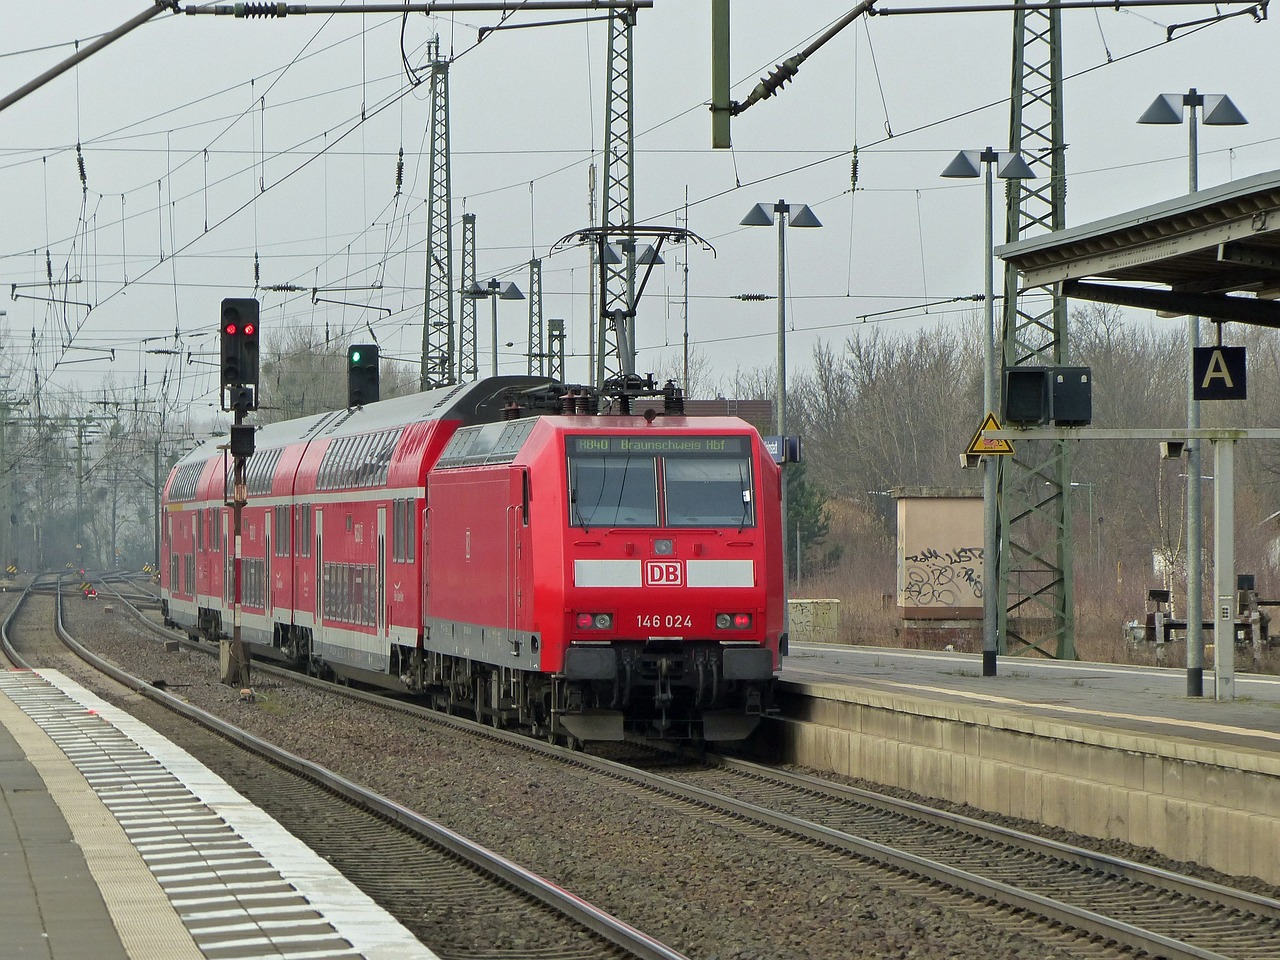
point(696, 886)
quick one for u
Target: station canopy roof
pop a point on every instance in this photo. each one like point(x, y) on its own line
point(1214, 253)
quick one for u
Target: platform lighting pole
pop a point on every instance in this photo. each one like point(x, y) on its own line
point(762, 216)
point(1008, 166)
point(1217, 110)
point(495, 291)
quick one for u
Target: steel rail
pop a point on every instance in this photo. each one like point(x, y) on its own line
point(1066, 914)
point(1228, 897)
point(1086, 921)
point(607, 927)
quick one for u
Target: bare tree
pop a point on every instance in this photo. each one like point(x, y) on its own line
point(890, 411)
point(304, 373)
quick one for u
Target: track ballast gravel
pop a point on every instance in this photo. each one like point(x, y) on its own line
point(698, 887)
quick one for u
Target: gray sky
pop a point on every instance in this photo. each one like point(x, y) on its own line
point(184, 122)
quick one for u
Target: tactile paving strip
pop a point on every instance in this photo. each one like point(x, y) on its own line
point(242, 885)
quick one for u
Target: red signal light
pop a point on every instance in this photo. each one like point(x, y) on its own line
point(230, 329)
point(249, 329)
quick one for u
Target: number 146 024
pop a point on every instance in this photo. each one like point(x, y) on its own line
point(664, 620)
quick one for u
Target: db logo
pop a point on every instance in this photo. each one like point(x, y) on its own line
point(663, 573)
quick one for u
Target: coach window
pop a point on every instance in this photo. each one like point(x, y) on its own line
point(397, 530)
point(281, 534)
point(302, 531)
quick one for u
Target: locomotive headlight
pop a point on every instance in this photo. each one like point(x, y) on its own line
point(593, 621)
point(603, 621)
point(663, 548)
point(723, 621)
point(733, 621)
point(585, 621)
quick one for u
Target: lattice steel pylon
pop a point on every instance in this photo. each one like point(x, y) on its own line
point(555, 348)
point(537, 356)
point(468, 363)
point(615, 352)
point(1037, 607)
point(437, 368)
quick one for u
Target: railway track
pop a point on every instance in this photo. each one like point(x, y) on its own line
point(447, 890)
point(1077, 900)
point(1105, 899)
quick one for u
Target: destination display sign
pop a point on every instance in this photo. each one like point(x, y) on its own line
point(634, 446)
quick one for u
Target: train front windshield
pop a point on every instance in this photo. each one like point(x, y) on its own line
point(660, 482)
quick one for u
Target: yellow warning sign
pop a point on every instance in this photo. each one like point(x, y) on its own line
point(979, 446)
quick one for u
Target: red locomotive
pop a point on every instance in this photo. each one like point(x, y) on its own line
point(508, 551)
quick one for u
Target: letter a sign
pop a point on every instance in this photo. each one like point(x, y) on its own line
point(1219, 373)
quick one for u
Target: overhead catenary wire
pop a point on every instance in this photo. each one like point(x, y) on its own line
point(172, 240)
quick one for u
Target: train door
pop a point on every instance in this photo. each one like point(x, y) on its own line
point(517, 520)
point(228, 560)
point(319, 591)
point(381, 574)
point(424, 565)
point(266, 564)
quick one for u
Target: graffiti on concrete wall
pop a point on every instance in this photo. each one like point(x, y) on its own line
point(942, 578)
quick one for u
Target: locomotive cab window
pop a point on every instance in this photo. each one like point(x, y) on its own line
point(607, 492)
point(708, 492)
point(673, 481)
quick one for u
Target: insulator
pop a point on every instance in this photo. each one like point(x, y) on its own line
point(257, 270)
point(672, 398)
point(853, 169)
point(249, 10)
point(84, 180)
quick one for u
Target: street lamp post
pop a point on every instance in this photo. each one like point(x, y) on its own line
point(1008, 166)
point(495, 291)
point(761, 216)
point(1216, 110)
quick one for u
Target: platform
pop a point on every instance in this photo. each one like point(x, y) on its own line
point(117, 845)
point(1104, 750)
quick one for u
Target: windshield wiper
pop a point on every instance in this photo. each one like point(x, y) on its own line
point(746, 500)
point(577, 513)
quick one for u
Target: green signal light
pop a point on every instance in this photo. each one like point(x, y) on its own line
point(355, 356)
